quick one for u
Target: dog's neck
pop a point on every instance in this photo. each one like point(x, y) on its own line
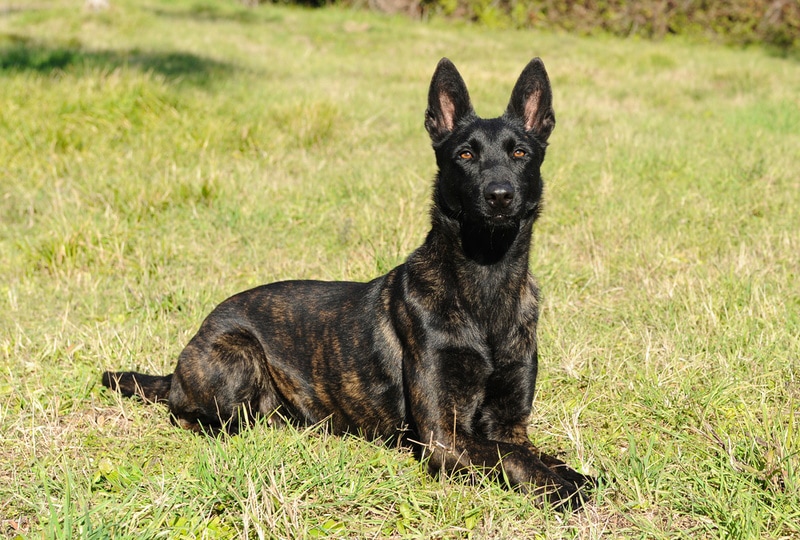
point(481, 260)
point(490, 246)
point(476, 269)
point(494, 248)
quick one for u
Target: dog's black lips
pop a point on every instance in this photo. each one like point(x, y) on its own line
point(500, 219)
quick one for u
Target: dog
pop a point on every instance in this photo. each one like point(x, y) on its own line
point(440, 353)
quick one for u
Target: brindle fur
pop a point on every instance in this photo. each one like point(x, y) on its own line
point(440, 352)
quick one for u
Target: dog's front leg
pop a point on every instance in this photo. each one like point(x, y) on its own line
point(517, 465)
point(443, 407)
point(504, 416)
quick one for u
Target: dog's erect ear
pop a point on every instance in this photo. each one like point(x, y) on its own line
point(532, 100)
point(448, 101)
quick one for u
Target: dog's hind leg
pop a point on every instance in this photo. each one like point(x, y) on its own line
point(221, 383)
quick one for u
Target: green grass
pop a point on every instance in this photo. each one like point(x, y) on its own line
point(159, 156)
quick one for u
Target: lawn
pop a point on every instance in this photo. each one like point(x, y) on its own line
point(158, 156)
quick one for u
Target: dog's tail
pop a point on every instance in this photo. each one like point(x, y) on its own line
point(152, 388)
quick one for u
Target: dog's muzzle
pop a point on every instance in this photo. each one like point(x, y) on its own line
point(499, 197)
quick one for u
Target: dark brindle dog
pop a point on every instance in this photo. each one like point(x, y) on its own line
point(440, 352)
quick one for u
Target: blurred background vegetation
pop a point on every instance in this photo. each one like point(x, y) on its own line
point(775, 23)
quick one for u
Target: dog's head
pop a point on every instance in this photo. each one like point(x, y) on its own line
point(489, 168)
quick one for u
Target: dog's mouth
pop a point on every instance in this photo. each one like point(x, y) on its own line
point(509, 217)
point(503, 219)
point(500, 218)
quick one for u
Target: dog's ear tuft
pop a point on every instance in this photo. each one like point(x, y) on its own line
point(532, 101)
point(448, 101)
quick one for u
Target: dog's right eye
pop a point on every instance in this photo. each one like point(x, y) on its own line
point(465, 155)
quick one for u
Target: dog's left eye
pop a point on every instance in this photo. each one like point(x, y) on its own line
point(465, 154)
point(518, 153)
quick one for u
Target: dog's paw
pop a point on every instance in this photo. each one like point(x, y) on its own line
point(568, 497)
point(564, 471)
point(581, 481)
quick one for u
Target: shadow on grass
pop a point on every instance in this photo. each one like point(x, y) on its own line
point(23, 54)
point(225, 12)
point(214, 13)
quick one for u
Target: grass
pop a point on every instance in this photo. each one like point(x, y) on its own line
point(160, 156)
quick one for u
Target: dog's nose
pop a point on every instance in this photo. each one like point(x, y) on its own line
point(499, 194)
